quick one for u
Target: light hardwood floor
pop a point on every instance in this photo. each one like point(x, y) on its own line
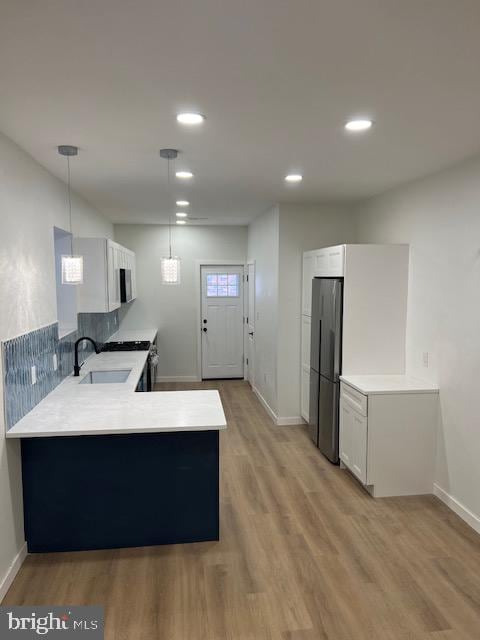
point(305, 554)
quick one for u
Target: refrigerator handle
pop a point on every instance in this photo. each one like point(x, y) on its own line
point(338, 334)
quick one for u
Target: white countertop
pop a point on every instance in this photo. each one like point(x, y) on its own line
point(131, 335)
point(387, 384)
point(74, 409)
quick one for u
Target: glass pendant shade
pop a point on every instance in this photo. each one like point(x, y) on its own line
point(72, 269)
point(170, 270)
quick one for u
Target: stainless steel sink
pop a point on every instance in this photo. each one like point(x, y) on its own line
point(105, 377)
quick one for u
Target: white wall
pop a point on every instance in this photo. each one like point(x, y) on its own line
point(439, 216)
point(276, 241)
point(32, 202)
point(263, 239)
point(302, 228)
point(172, 309)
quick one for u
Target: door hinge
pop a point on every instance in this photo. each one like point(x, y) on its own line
point(247, 361)
point(247, 278)
point(247, 319)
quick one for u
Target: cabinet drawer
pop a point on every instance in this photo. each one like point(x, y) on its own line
point(354, 398)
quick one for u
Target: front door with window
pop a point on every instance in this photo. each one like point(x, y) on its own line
point(222, 322)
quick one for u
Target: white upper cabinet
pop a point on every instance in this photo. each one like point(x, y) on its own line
point(320, 263)
point(330, 262)
point(102, 261)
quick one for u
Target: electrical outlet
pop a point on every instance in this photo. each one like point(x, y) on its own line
point(425, 359)
point(34, 374)
point(55, 362)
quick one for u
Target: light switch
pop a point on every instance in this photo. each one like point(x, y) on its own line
point(425, 359)
point(34, 374)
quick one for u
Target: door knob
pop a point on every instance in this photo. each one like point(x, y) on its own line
point(205, 329)
point(250, 333)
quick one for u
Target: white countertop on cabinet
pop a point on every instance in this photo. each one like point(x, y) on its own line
point(131, 335)
point(388, 384)
point(74, 409)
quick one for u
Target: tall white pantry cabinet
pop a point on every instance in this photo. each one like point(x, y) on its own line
point(374, 308)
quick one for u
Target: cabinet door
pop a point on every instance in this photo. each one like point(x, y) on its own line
point(336, 261)
point(133, 267)
point(359, 448)
point(306, 335)
point(305, 397)
point(307, 275)
point(321, 264)
point(346, 433)
point(113, 276)
point(353, 440)
point(305, 367)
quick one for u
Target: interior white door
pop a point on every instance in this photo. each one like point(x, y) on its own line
point(222, 322)
point(251, 323)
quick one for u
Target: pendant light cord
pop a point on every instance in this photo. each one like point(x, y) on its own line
point(69, 204)
point(170, 214)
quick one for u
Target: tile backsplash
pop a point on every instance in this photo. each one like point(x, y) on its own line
point(37, 349)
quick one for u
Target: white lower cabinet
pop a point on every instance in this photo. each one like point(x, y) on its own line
point(353, 440)
point(388, 440)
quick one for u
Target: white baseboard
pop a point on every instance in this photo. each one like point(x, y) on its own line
point(265, 404)
point(289, 420)
point(9, 577)
point(465, 514)
point(177, 379)
point(280, 421)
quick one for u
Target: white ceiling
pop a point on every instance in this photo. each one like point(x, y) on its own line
point(276, 78)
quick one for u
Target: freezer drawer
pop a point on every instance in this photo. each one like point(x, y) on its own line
point(313, 410)
point(328, 418)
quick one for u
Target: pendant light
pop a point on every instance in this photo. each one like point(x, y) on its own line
point(169, 267)
point(72, 266)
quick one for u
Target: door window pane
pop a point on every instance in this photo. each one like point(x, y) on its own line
point(223, 285)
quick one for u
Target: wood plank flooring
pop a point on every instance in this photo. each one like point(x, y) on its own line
point(305, 554)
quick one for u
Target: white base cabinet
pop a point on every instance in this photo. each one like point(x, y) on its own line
point(102, 261)
point(388, 440)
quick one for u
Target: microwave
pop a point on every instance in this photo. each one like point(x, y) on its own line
point(125, 285)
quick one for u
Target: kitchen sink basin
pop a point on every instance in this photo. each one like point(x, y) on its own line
point(105, 377)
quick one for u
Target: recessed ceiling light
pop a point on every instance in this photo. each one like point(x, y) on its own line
point(293, 177)
point(181, 222)
point(358, 125)
point(180, 214)
point(184, 174)
point(190, 118)
point(182, 203)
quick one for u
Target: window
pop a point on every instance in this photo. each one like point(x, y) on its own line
point(66, 294)
point(223, 285)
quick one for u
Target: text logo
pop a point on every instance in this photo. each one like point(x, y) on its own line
point(51, 622)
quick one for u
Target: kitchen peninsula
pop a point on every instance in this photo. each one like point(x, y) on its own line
point(106, 467)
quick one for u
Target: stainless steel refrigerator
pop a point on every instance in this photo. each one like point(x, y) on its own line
point(326, 364)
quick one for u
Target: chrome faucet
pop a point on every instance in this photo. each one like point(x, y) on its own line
point(76, 368)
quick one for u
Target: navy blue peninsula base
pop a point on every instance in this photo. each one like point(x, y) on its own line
point(110, 491)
